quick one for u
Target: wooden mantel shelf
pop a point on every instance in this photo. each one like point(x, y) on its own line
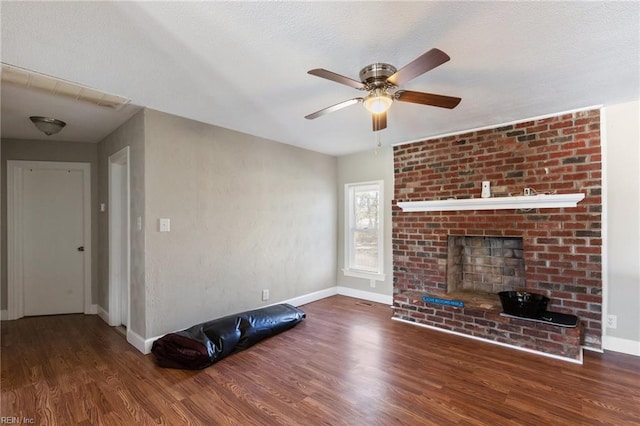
point(542, 201)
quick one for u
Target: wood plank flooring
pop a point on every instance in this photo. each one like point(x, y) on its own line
point(347, 363)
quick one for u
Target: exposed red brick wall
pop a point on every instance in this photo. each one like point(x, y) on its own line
point(562, 247)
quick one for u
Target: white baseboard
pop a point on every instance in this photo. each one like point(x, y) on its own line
point(592, 349)
point(104, 315)
point(139, 342)
point(312, 297)
point(625, 346)
point(133, 338)
point(365, 295)
point(91, 310)
point(531, 351)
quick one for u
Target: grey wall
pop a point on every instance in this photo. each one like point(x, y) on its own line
point(622, 136)
point(363, 167)
point(130, 134)
point(246, 214)
point(44, 150)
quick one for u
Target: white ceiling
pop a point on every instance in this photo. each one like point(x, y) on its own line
point(243, 65)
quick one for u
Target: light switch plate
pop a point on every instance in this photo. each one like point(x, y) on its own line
point(164, 224)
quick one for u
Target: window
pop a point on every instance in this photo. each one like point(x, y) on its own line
point(364, 252)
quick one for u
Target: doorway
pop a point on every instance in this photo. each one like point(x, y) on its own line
point(49, 238)
point(119, 238)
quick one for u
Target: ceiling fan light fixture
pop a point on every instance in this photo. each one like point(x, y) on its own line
point(48, 126)
point(378, 101)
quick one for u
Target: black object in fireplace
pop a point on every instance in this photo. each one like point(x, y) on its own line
point(533, 307)
point(523, 304)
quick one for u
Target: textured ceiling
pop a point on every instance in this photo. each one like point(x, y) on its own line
point(243, 65)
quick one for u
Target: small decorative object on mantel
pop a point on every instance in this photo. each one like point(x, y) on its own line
point(486, 189)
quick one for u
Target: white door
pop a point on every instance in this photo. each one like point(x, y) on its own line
point(48, 238)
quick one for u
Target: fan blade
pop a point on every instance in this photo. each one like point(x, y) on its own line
point(320, 72)
point(420, 65)
point(379, 121)
point(333, 108)
point(427, 99)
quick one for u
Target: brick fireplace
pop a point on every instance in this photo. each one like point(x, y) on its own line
point(557, 250)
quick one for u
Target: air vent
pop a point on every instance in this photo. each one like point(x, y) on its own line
point(55, 86)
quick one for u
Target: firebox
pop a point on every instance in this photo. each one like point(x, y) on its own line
point(484, 264)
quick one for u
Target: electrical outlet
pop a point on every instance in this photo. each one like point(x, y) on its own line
point(265, 294)
point(612, 321)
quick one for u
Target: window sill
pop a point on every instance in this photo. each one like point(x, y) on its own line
point(364, 274)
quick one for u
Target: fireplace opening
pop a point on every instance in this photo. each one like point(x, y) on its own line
point(480, 265)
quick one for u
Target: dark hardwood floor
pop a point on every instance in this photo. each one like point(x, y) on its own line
point(347, 363)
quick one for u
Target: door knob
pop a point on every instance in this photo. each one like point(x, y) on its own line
point(81, 248)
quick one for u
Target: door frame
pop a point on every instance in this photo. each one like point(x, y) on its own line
point(15, 248)
point(118, 204)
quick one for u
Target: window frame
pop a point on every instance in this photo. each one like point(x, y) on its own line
point(350, 269)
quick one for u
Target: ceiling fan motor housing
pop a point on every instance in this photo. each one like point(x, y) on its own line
point(376, 75)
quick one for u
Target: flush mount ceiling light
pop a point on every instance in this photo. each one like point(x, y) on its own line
point(48, 126)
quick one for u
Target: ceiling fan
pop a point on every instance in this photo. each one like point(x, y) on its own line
point(382, 81)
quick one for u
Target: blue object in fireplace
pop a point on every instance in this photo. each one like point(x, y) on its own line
point(437, 300)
